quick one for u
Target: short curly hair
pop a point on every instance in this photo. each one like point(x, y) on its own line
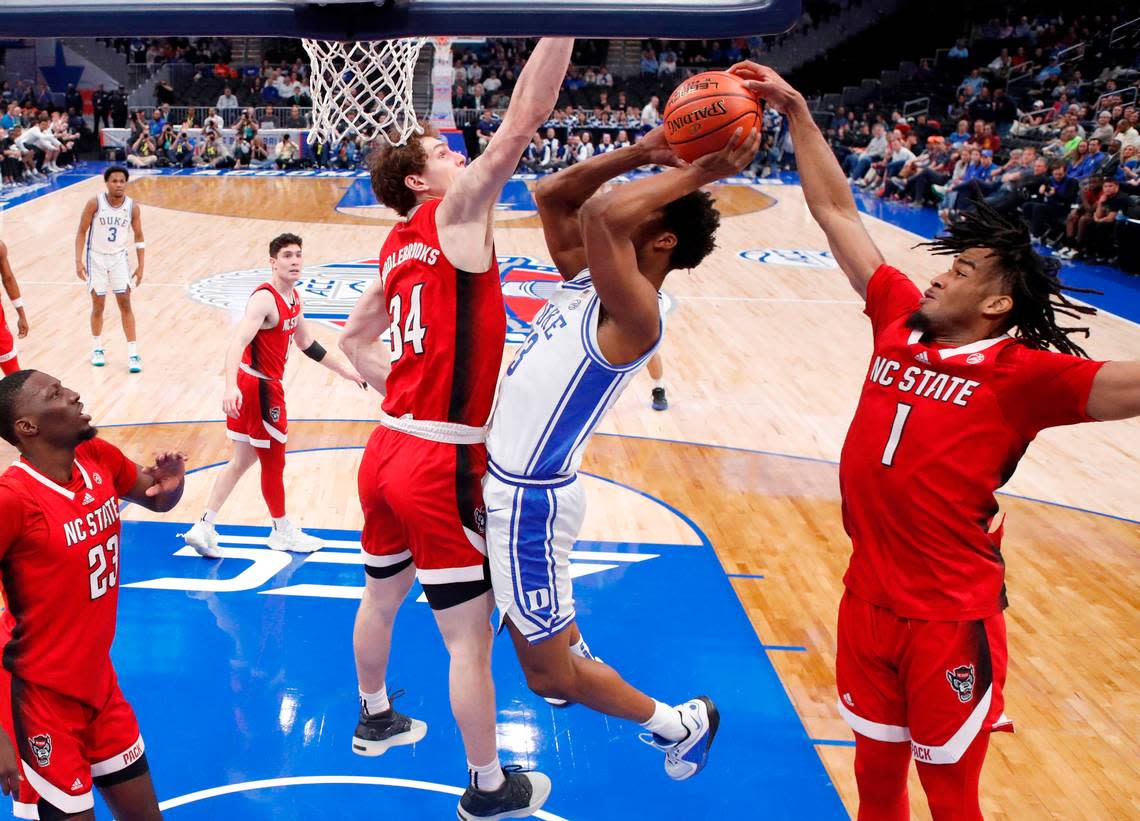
point(392, 164)
point(694, 221)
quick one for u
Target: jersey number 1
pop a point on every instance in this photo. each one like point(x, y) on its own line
point(901, 414)
point(413, 331)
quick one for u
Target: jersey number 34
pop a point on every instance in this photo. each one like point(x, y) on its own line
point(409, 331)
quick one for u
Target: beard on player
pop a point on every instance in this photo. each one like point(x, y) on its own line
point(918, 321)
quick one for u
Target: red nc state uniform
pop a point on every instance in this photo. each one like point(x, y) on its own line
point(262, 420)
point(420, 475)
point(938, 430)
point(59, 561)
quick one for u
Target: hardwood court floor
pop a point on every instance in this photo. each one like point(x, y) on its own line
point(764, 362)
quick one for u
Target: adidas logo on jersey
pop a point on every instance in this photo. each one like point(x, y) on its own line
point(922, 357)
point(76, 785)
point(88, 498)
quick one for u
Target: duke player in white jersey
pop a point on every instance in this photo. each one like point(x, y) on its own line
point(597, 331)
point(110, 225)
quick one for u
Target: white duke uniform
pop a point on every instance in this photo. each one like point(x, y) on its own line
point(108, 241)
point(551, 400)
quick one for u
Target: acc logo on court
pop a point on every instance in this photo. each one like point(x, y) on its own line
point(792, 257)
point(330, 291)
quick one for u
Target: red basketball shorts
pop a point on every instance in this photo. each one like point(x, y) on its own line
point(7, 342)
point(262, 420)
point(423, 501)
point(934, 684)
point(65, 745)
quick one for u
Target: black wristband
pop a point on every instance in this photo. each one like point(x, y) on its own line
point(315, 351)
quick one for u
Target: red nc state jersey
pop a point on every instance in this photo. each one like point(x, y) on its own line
point(937, 431)
point(266, 354)
point(59, 565)
point(448, 327)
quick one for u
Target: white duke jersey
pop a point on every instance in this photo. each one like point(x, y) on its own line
point(110, 231)
point(557, 389)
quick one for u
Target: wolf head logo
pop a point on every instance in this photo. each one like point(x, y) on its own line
point(41, 748)
point(961, 678)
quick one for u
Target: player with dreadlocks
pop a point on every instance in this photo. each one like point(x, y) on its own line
point(960, 382)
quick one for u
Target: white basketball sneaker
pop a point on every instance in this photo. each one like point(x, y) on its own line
point(687, 757)
point(97, 358)
point(134, 363)
point(204, 539)
point(294, 540)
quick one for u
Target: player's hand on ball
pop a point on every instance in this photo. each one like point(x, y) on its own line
point(166, 472)
point(657, 150)
point(735, 156)
point(9, 767)
point(231, 403)
point(766, 84)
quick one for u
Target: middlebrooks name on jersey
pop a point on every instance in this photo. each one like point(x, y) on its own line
point(922, 381)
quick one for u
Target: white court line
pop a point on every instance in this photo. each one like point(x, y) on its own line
point(773, 300)
point(295, 781)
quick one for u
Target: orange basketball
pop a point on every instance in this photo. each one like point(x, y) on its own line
point(704, 111)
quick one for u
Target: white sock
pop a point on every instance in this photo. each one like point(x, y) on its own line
point(580, 648)
point(377, 702)
point(666, 722)
point(97, 343)
point(659, 383)
point(487, 778)
point(282, 523)
point(132, 349)
point(209, 516)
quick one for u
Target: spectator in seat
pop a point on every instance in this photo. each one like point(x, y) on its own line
point(1104, 129)
point(1097, 242)
point(227, 102)
point(859, 162)
point(1076, 223)
point(531, 160)
point(1047, 209)
point(961, 134)
point(649, 64)
point(157, 123)
point(959, 51)
point(973, 84)
point(144, 152)
point(72, 98)
point(485, 128)
point(213, 120)
point(649, 116)
point(667, 65)
point(1087, 159)
point(287, 155)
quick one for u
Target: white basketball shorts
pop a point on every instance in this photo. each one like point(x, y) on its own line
point(531, 529)
point(108, 272)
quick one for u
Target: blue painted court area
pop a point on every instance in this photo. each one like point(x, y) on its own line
point(249, 677)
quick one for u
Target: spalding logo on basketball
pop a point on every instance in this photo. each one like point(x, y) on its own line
point(704, 112)
point(330, 291)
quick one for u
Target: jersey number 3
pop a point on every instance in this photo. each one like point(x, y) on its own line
point(103, 560)
point(412, 331)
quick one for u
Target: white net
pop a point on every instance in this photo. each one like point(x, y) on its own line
point(363, 88)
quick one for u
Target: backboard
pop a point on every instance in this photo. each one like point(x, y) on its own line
point(385, 19)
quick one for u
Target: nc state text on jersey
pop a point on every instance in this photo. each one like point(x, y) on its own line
point(922, 381)
point(95, 523)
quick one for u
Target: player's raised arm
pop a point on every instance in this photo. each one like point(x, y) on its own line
point(608, 222)
point(303, 338)
point(259, 312)
point(360, 339)
point(560, 196)
point(1115, 392)
point(159, 487)
point(81, 236)
point(12, 288)
point(825, 186)
point(474, 194)
point(140, 242)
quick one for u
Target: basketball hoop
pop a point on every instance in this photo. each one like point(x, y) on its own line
point(363, 88)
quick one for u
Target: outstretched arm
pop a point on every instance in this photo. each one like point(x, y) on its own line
point(825, 186)
point(1115, 392)
point(608, 222)
point(308, 345)
point(160, 486)
point(560, 196)
point(464, 217)
point(360, 339)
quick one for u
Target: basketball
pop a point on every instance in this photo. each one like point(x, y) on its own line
point(703, 112)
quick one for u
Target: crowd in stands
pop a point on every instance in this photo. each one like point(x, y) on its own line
point(1031, 122)
point(36, 142)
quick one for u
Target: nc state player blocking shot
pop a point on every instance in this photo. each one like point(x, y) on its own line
point(960, 383)
point(59, 564)
point(254, 400)
point(439, 295)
